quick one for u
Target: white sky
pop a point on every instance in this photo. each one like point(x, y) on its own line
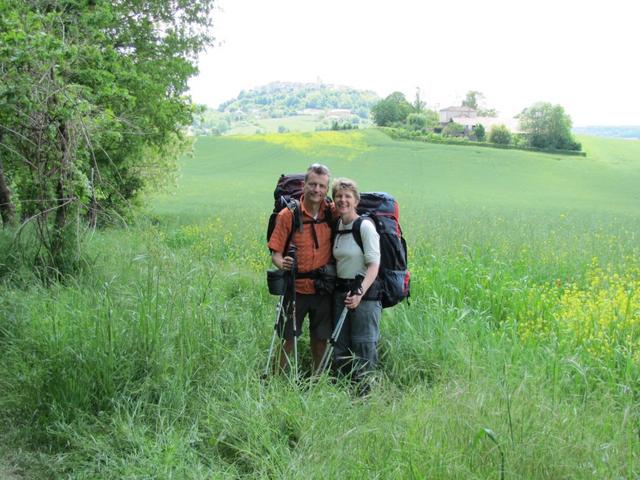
point(584, 55)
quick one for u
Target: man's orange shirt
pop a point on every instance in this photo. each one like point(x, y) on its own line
point(308, 256)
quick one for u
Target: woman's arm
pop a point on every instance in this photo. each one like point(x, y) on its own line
point(352, 301)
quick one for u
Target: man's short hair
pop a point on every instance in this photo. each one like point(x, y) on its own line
point(318, 169)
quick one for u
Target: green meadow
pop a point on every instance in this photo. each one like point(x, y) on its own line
point(517, 356)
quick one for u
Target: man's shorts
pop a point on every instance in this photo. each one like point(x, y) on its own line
point(320, 310)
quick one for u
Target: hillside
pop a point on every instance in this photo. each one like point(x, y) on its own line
point(418, 173)
point(282, 99)
point(286, 106)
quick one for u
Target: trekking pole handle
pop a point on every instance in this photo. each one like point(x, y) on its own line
point(291, 252)
point(356, 285)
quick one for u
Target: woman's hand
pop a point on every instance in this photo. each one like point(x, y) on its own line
point(353, 300)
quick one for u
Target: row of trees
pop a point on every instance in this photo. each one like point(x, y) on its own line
point(92, 105)
point(543, 125)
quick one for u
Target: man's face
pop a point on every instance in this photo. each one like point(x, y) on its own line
point(315, 188)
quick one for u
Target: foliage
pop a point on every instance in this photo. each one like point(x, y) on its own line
point(548, 126)
point(209, 121)
point(392, 109)
point(453, 129)
point(500, 134)
point(487, 112)
point(475, 99)
point(92, 105)
point(417, 121)
point(479, 132)
point(281, 99)
point(336, 125)
point(433, 137)
point(472, 99)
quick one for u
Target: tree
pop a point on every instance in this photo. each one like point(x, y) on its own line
point(475, 100)
point(418, 104)
point(417, 121)
point(393, 109)
point(500, 134)
point(472, 99)
point(547, 126)
point(92, 105)
point(479, 132)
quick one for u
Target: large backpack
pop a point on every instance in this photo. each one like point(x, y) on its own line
point(287, 193)
point(393, 276)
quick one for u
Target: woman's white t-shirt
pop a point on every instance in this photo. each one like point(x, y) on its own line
point(350, 261)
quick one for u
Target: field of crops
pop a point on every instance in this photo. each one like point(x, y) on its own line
point(517, 357)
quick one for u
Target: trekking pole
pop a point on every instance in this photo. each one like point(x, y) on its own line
point(356, 287)
point(279, 310)
point(292, 253)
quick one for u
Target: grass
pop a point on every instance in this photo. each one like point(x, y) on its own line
point(520, 343)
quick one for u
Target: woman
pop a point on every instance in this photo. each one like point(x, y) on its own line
point(356, 350)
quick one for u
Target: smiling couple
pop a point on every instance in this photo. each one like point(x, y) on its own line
point(319, 242)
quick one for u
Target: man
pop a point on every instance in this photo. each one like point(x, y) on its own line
point(313, 251)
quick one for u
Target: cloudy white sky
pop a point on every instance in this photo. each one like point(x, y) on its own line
point(584, 55)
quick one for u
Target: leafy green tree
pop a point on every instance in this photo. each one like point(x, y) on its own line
point(472, 99)
point(479, 132)
point(92, 104)
point(433, 119)
point(393, 109)
point(500, 134)
point(417, 121)
point(548, 126)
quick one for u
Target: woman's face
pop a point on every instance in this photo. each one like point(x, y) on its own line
point(345, 202)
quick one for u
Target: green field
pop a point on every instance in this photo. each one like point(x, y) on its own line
point(517, 357)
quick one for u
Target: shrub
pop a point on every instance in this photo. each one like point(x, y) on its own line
point(417, 121)
point(479, 132)
point(500, 134)
point(453, 129)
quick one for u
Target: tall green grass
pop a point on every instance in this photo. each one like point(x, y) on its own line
point(149, 365)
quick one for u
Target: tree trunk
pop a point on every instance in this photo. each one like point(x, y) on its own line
point(61, 192)
point(7, 208)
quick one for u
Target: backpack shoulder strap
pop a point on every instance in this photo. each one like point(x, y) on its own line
point(296, 211)
point(296, 220)
point(357, 236)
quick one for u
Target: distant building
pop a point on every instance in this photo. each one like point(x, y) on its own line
point(468, 118)
point(310, 111)
point(447, 114)
point(338, 114)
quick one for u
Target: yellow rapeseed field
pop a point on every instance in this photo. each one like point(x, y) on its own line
point(601, 317)
point(348, 144)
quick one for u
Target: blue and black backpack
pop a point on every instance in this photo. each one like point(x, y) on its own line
point(393, 277)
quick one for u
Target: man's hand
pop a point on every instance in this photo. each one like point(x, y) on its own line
point(287, 263)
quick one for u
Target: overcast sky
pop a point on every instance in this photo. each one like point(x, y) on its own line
point(584, 55)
